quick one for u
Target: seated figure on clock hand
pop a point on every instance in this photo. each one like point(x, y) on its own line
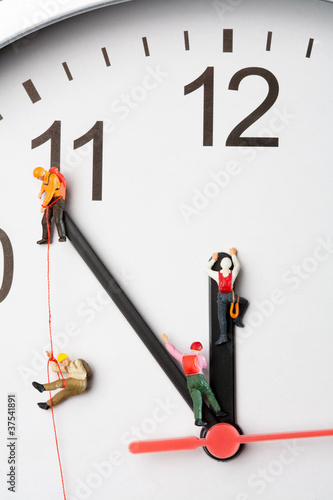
point(225, 279)
point(76, 382)
point(193, 365)
point(54, 187)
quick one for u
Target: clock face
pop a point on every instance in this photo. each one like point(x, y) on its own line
point(183, 128)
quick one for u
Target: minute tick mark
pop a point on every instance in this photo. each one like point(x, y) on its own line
point(31, 91)
point(106, 56)
point(309, 50)
point(67, 71)
point(145, 46)
point(227, 40)
point(269, 41)
point(186, 40)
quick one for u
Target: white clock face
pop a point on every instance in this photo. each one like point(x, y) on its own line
point(172, 184)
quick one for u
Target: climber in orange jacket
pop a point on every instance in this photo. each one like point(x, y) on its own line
point(54, 187)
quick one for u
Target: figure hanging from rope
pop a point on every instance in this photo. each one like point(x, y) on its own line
point(75, 383)
point(54, 187)
point(225, 280)
point(193, 366)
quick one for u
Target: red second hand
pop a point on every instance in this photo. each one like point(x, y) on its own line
point(253, 438)
point(176, 444)
point(222, 441)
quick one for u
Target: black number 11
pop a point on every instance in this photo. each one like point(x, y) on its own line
point(95, 134)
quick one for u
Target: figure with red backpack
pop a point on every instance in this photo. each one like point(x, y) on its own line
point(54, 187)
point(193, 365)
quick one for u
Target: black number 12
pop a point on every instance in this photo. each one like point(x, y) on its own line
point(206, 80)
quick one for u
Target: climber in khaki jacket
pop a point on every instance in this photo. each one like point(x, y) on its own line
point(76, 381)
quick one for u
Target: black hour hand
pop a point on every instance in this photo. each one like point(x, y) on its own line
point(132, 315)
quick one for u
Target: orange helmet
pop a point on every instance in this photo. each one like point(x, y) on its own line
point(39, 172)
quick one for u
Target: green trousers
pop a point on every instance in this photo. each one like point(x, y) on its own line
point(197, 386)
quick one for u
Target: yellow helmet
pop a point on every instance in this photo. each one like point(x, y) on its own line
point(62, 356)
point(39, 172)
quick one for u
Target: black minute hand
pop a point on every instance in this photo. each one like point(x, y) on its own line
point(132, 315)
point(222, 357)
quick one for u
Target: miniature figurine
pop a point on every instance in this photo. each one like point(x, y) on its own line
point(77, 372)
point(225, 280)
point(54, 187)
point(193, 365)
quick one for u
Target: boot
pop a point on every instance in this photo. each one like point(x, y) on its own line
point(223, 338)
point(44, 406)
point(199, 422)
point(221, 413)
point(38, 386)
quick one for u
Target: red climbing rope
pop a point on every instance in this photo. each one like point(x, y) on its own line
point(51, 358)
